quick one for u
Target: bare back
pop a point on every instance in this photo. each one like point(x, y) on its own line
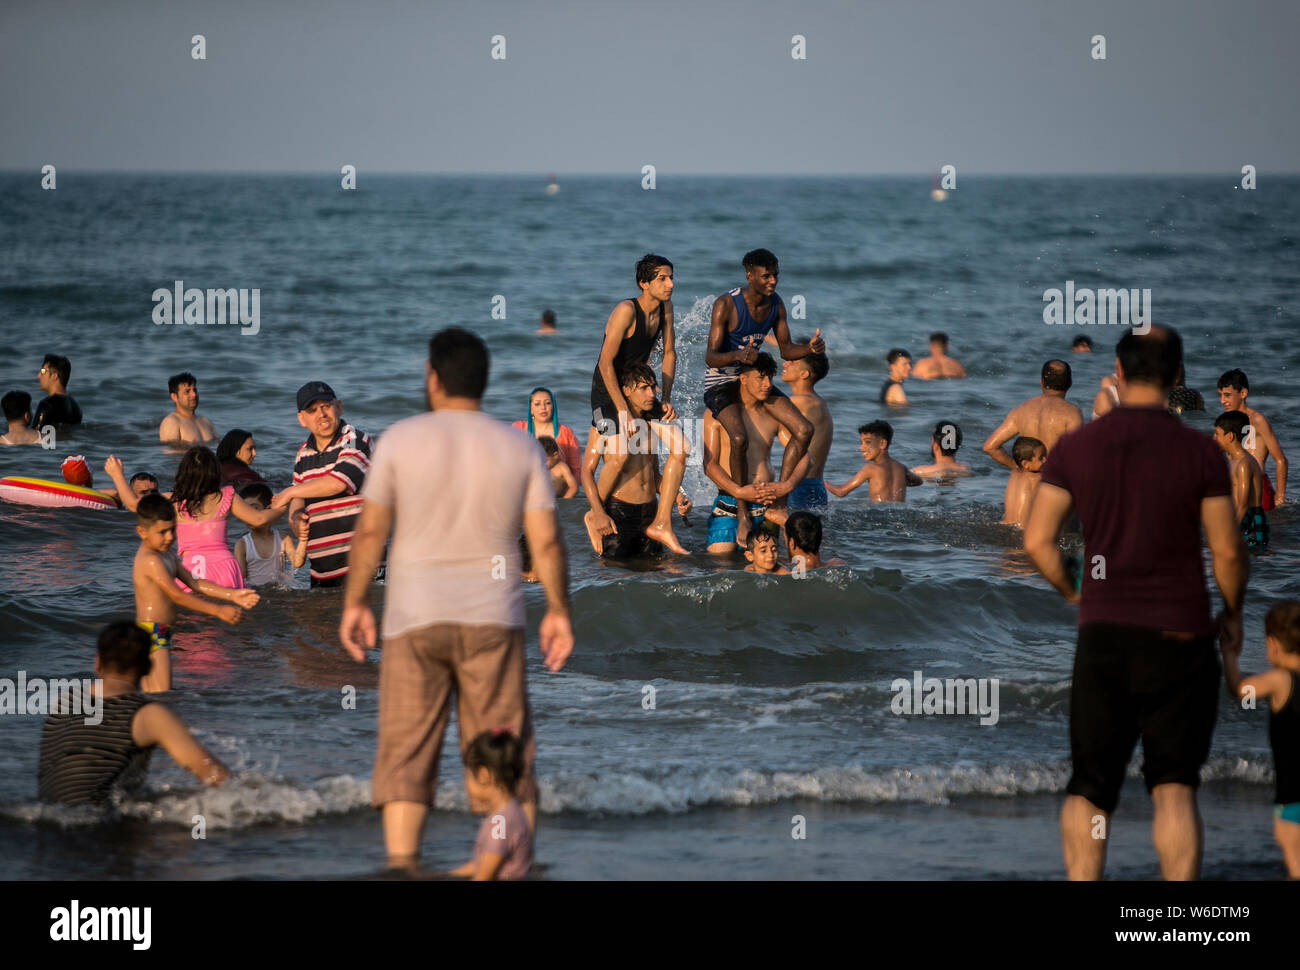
point(889, 484)
point(812, 407)
point(152, 604)
point(1046, 418)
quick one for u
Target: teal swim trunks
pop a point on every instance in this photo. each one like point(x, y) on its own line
point(1288, 813)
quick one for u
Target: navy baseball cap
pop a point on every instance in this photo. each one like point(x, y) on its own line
point(314, 391)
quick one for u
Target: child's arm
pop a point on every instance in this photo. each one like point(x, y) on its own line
point(241, 555)
point(256, 519)
point(1240, 488)
point(125, 496)
point(570, 483)
point(839, 491)
point(298, 553)
point(156, 724)
point(1243, 686)
point(228, 614)
point(913, 479)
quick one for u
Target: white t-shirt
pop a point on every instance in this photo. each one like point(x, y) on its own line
point(458, 483)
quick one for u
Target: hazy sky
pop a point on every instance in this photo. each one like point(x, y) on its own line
point(691, 87)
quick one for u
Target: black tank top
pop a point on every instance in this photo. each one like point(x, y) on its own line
point(884, 390)
point(633, 350)
point(1284, 739)
point(82, 763)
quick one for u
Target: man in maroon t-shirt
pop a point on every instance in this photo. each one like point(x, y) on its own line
point(1143, 484)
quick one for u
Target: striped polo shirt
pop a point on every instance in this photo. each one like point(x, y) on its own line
point(82, 764)
point(333, 519)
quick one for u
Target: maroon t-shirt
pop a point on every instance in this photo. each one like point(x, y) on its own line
point(1137, 476)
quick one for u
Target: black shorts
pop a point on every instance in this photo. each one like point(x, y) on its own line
point(722, 396)
point(631, 521)
point(604, 418)
point(1132, 682)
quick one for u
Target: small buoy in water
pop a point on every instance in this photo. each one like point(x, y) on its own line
point(938, 195)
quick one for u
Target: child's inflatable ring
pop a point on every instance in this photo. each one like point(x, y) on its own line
point(53, 495)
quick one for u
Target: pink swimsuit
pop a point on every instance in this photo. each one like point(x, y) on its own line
point(202, 546)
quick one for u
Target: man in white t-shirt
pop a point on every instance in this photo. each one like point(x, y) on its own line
point(454, 488)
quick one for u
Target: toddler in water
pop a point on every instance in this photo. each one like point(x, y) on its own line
point(562, 480)
point(494, 763)
point(1280, 686)
point(1028, 454)
point(265, 556)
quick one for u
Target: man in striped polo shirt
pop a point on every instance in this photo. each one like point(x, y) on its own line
point(328, 473)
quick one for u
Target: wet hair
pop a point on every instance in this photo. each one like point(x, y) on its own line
point(1082, 341)
point(1233, 422)
point(1057, 376)
point(62, 367)
point(759, 259)
point(123, 648)
point(647, 267)
point(762, 533)
point(1282, 622)
point(460, 359)
point(154, 508)
point(16, 405)
point(818, 364)
point(257, 492)
point(939, 337)
point(234, 440)
point(763, 363)
point(1151, 358)
point(176, 380)
point(197, 477)
point(634, 374)
point(548, 445)
point(941, 432)
point(894, 354)
point(144, 477)
point(501, 752)
point(548, 317)
point(1025, 448)
point(881, 429)
point(804, 530)
point(1235, 379)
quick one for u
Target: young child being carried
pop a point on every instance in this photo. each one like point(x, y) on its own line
point(1281, 687)
point(494, 763)
point(264, 555)
point(889, 479)
point(1028, 454)
point(154, 575)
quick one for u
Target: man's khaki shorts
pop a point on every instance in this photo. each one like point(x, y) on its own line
point(418, 671)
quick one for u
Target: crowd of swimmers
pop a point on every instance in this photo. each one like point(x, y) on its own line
point(632, 495)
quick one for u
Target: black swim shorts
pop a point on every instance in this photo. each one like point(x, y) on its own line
point(721, 396)
point(1132, 682)
point(631, 521)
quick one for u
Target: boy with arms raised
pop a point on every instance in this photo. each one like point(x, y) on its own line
point(888, 478)
point(154, 574)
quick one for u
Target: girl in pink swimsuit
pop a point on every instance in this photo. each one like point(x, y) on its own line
point(202, 507)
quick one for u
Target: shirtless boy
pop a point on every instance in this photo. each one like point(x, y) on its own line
point(1233, 389)
point(803, 540)
point(900, 365)
point(938, 364)
point(17, 407)
point(154, 575)
point(1029, 455)
point(183, 426)
point(888, 479)
point(1246, 476)
point(1045, 417)
point(801, 375)
point(562, 480)
point(727, 528)
point(944, 443)
point(623, 506)
point(761, 551)
point(633, 329)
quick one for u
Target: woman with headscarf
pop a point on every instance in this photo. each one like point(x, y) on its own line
point(544, 422)
point(236, 453)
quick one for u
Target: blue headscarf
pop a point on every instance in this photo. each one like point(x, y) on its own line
point(555, 412)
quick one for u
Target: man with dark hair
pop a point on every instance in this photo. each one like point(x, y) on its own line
point(938, 364)
point(184, 426)
point(57, 408)
point(1144, 486)
point(803, 541)
point(1260, 441)
point(17, 407)
point(802, 374)
point(454, 488)
point(631, 332)
point(900, 365)
point(944, 442)
point(85, 763)
point(548, 323)
point(1081, 345)
point(741, 321)
point(328, 473)
point(1046, 417)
